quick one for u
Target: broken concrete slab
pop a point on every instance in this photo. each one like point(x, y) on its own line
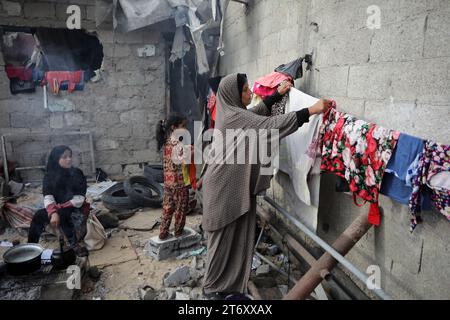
point(170, 293)
point(177, 277)
point(117, 249)
point(142, 220)
point(182, 296)
point(173, 246)
point(263, 270)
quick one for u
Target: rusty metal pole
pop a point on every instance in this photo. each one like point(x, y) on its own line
point(334, 254)
point(326, 263)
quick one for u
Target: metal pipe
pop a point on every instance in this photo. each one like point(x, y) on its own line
point(29, 168)
point(5, 160)
point(44, 90)
point(336, 255)
point(273, 265)
point(91, 147)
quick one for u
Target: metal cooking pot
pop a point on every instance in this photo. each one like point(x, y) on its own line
point(62, 258)
point(23, 259)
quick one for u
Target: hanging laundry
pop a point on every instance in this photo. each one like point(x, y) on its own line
point(20, 72)
point(279, 107)
point(56, 78)
point(212, 108)
point(359, 152)
point(300, 159)
point(394, 184)
point(433, 172)
point(267, 85)
point(293, 69)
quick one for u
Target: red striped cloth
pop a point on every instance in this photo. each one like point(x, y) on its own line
point(17, 217)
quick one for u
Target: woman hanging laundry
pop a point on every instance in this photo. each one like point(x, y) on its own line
point(64, 188)
point(229, 190)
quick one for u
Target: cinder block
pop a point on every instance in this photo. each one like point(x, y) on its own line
point(74, 119)
point(352, 106)
point(30, 121)
point(56, 121)
point(172, 246)
point(12, 8)
point(333, 81)
point(399, 41)
point(344, 49)
point(106, 144)
point(39, 10)
point(369, 81)
point(437, 34)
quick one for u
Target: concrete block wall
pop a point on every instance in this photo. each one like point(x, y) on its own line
point(121, 109)
point(396, 76)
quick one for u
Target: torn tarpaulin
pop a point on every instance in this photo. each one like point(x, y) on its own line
point(180, 45)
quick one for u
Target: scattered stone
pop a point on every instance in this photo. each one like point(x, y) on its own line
point(263, 270)
point(182, 296)
point(151, 294)
point(108, 220)
point(273, 250)
point(196, 294)
point(170, 292)
point(94, 273)
point(194, 263)
point(186, 290)
point(283, 289)
point(191, 283)
point(179, 276)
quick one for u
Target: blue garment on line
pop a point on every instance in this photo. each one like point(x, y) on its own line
point(394, 180)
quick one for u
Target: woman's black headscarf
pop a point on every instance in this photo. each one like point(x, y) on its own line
point(57, 174)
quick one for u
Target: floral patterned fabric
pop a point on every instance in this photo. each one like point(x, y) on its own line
point(435, 159)
point(359, 152)
point(279, 107)
point(173, 173)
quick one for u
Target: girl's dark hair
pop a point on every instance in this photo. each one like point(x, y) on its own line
point(163, 128)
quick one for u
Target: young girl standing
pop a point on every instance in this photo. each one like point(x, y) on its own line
point(176, 193)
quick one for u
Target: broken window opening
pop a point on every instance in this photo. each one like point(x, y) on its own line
point(60, 58)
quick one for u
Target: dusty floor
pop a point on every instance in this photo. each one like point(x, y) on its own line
point(125, 266)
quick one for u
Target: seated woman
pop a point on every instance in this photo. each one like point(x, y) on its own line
point(64, 188)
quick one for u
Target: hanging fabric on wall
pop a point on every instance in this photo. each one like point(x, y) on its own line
point(267, 85)
point(279, 107)
point(359, 152)
point(300, 159)
point(433, 172)
point(394, 184)
point(293, 69)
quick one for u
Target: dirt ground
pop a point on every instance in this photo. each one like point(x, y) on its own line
point(126, 269)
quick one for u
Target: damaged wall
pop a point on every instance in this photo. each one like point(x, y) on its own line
point(121, 110)
point(396, 76)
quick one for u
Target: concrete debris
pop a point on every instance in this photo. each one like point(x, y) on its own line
point(148, 293)
point(182, 296)
point(178, 276)
point(173, 246)
point(283, 289)
point(263, 270)
point(170, 292)
point(256, 263)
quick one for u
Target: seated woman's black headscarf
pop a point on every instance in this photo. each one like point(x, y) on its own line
point(62, 183)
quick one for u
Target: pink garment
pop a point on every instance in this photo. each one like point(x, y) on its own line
point(266, 86)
